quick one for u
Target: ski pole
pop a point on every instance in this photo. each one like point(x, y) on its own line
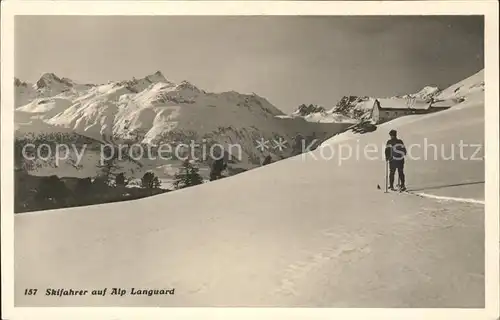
point(386, 165)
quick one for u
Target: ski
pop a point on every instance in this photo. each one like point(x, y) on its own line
point(398, 190)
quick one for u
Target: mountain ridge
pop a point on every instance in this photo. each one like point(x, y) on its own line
point(153, 110)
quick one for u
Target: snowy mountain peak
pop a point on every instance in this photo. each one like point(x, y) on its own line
point(19, 83)
point(50, 79)
point(318, 114)
point(156, 77)
point(304, 110)
point(49, 76)
point(428, 89)
point(187, 85)
point(426, 93)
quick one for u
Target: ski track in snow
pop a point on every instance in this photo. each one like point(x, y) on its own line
point(444, 198)
point(299, 270)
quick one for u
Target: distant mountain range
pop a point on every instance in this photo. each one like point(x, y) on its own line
point(153, 110)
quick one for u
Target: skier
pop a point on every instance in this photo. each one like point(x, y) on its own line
point(218, 165)
point(395, 151)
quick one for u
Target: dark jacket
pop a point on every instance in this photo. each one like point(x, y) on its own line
point(395, 150)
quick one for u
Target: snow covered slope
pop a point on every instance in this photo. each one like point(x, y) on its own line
point(305, 232)
point(471, 87)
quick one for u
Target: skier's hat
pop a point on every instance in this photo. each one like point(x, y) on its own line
point(393, 133)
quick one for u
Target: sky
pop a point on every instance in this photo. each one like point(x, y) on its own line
point(289, 60)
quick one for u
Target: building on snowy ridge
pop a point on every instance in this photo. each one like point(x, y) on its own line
point(387, 109)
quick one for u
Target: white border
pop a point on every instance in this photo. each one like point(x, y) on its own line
point(487, 8)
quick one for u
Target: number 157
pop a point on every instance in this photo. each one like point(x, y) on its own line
point(30, 292)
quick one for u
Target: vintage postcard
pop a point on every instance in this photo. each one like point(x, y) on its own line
point(311, 160)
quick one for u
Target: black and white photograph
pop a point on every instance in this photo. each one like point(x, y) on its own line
point(254, 161)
